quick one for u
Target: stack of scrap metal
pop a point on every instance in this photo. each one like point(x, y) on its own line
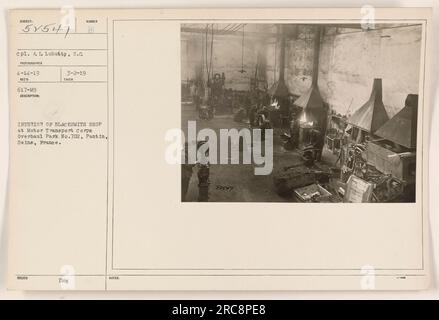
point(388, 189)
point(312, 193)
point(395, 154)
point(293, 177)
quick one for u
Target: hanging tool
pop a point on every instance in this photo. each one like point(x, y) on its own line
point(242, 53)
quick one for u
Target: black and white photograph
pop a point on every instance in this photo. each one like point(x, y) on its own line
point(300, 112)
point(209, 152)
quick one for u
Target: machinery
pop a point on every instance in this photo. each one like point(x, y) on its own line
point(395, 152)
point(206, 112)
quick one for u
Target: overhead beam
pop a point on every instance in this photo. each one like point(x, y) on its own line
point(235, 29)
point(228, 32)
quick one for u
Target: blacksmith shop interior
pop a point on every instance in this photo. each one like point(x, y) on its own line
point(341, 99)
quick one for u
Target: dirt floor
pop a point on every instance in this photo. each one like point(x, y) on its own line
point(237, 182)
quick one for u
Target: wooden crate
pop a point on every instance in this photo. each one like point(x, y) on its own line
point(387, 160)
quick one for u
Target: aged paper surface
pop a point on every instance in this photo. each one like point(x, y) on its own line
point(94, 204)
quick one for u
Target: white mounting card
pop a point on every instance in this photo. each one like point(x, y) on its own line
point(100, 98)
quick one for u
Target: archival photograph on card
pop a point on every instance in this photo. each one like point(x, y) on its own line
point(300, 112)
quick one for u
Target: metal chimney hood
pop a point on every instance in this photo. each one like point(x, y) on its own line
point(372, 115)
point(311, 101)
point(402, 128)
point(280, 88)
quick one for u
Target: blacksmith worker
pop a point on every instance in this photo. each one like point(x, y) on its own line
point(186, 173)
point(195, 95)
point(252, 115)
point(318, 140)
